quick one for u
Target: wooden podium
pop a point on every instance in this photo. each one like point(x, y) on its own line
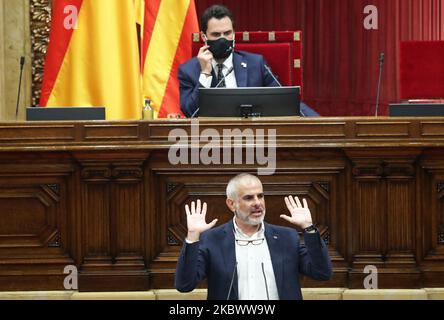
point(103, 196)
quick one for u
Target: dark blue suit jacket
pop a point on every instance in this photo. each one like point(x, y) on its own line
point(249, 70)
point(214, 258)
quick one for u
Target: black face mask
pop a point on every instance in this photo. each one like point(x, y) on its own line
point(221, 48)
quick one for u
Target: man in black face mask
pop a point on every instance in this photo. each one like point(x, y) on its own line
point(217, 59)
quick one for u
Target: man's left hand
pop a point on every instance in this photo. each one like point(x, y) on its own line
point(300, 213)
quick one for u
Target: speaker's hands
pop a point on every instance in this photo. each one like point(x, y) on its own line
point(300, 213)
point(205, 57)
point(196, 220)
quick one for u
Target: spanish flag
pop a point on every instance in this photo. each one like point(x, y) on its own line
point(93, 57)
point(168, 28)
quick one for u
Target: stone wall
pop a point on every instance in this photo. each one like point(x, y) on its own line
point(16, 42)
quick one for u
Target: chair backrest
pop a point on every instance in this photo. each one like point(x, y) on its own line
point(421, 70)
point(282, 50)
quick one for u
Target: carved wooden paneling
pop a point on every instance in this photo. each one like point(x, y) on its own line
point(34, 212)
point(440, 197)
point(115, 207)
point(28, 216)
point(313, 181)
point(367, 207)
point(113, 222)
point(385, 208)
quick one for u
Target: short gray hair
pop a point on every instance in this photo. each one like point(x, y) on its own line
point(233, 184)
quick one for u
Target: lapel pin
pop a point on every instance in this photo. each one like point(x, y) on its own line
point(275, 237)
point(243, 64)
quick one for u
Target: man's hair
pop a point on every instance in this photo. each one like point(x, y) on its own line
point(233, 184)
point(217, 11)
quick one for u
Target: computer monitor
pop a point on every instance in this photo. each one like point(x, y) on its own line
point(249, 102)
point(65, 113)
point(416, 110)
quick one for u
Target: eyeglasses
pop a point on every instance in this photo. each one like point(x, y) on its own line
point(255, 242)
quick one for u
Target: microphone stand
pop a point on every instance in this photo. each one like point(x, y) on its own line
point(265, 279)
point(22, 63)
point(381, 63)
point(232, 281)
point(280, 85)
point(223, 78)
point(272, 75)
point(217, 86)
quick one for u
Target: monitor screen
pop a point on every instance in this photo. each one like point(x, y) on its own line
point(249, 102)
point(416, 110)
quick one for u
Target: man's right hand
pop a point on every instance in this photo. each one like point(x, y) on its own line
point(205, 57)
point(196, 220)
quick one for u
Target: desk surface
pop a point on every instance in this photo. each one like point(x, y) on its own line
point(290, 132)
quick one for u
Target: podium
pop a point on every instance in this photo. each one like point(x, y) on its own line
point(105, 197)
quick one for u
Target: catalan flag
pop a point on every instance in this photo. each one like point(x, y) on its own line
point(168, 27)
point(94, 61)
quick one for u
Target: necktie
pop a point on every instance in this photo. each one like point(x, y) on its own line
point(220, 75)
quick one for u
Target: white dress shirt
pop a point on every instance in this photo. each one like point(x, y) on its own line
point(252, 283)
point(230, 80)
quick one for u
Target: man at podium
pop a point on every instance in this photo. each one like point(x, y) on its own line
point(219, 65)
point(246, 258)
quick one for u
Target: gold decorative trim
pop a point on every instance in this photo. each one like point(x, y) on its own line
point(196, 37)
point(271, 36)
point(297, 36)
point(246, 36)
point(40, 25)
point(297, 63)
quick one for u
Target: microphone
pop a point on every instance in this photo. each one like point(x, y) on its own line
point(232, 280)
point(265, 279)
point(280, 85)
point(381, 64)
point(226, 75)
point(22, 63)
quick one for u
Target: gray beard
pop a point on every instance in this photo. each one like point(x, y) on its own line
point(248, 220)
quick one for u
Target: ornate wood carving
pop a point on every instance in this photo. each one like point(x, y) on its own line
point(441, 235)
point(171, 186)
point(55, 188)
point(325, 186)
point(56, 241)
point(440, 186)
point(172, 240)
point(96, 173)
point(40, 20)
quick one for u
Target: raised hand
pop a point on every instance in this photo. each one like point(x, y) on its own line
point(300, 214)
point(196, 220)
point(205, 57)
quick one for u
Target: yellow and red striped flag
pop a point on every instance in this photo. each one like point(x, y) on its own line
point(168, 26)
point(96, 60)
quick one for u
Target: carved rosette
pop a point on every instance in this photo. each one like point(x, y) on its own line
point(40, 20)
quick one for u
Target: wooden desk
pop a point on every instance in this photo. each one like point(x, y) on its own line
point(104, 197)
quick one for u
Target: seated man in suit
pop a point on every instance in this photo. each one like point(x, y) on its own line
point(217, 59)
point(248, 259)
